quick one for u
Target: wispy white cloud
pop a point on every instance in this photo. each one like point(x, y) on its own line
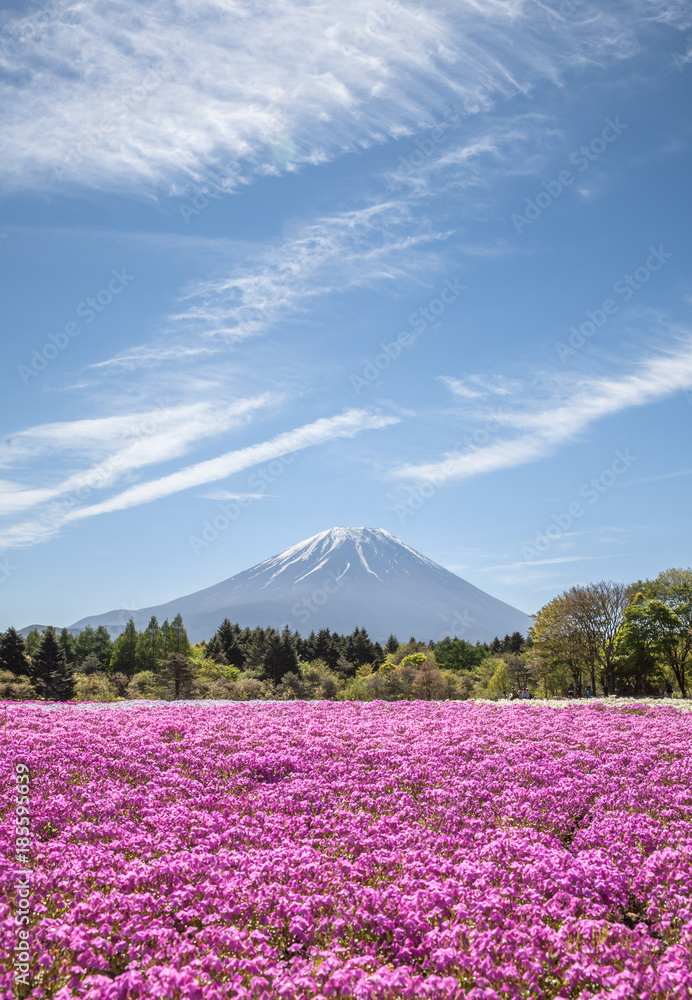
point(228, 495)
point(113, 447)
point(112, 94)
point(542, 562)
point(148, 356)
point(657, 479)
point(549, 426)
point(323, 431)
point(363, 247)
point(478, 386)
point(344, 425)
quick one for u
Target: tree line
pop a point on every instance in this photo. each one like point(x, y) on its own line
point(603, 638)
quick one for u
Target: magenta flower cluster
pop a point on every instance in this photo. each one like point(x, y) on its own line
point(349, 850)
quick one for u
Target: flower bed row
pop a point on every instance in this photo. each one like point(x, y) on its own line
point(441, 850)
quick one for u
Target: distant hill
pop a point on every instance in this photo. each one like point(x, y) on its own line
point(339, 579)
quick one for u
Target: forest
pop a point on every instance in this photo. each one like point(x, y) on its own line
point(598, 639)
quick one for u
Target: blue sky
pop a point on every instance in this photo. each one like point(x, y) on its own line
point(271, 268)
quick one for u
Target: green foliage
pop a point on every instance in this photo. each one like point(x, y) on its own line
point(92, 642)
point(67, 644)
point(659, 632)
point(123, 657)
point(94, 687)
point(392, 644)
point(457, 654)
point(493, 679)
point(414, 660)
point(631, 639)
point(51, 675)
point(147, 684)
point(179, 671)
point(15, 687)
point(13, 655)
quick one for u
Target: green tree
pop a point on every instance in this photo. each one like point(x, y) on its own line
point(179, 642)
point(359, 648)
point(414, 660)
point(33, 641)
point(257, 650)
point(560, 648)
point(13, 656)
point(392, 644)
point(84, 644)
point(214, 650)
point(89, 665)
point(103, 645)
point(278, 659)
point(150, 646)
point(67, 644)
point(457, 654)
point(15, 687)
point(179, 670)
point(665, 632)
point(51, 674)
point(124, 653)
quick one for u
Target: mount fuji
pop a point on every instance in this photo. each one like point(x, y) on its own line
point(339, 579)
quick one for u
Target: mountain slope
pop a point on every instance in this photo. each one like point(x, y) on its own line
point(340, 579)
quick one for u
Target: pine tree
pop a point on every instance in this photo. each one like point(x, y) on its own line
point(67, 644)
point(179, 640)
point(166, 637)
point(231, 642)
point(150, 646)
point(124, 655)
point(516, 641)
point(392, 644)
point(52, 676)
point(274, 658)
point(32, 642)
point(13, 655)
point(84, 644)
point(181, 672)
point(214, 651)
point(359, 648)
point(257, 649)
point(103, 645)
point(90, 665)
point(290, 654)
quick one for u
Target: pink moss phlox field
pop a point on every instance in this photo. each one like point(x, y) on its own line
point(299, 850)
